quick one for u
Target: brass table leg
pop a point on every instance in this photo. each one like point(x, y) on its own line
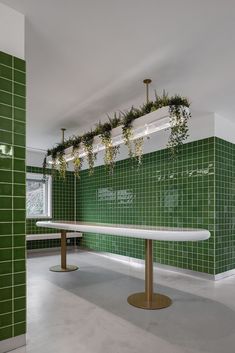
point(63, 267)
point(149, 299)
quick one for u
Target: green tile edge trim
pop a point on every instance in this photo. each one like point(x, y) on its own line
point(12, 186)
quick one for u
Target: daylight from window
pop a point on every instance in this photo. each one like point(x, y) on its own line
point(38, 196)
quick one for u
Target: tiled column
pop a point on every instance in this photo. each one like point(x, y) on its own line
point(12, 200)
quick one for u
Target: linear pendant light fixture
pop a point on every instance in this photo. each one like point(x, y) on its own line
point(141, 127)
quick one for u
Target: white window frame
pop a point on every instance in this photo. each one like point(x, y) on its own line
point(48, 189)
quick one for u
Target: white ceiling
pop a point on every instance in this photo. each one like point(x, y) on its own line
point(87, 58)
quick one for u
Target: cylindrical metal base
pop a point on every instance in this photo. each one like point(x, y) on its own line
point(68, 268)
point(159, 301)
point(149, 299)
point(63, 267)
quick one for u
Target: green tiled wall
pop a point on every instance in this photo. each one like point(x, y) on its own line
point(62, 208)
point(225, 206)
point(195, 190)
point(161, 192)
point(12, 197)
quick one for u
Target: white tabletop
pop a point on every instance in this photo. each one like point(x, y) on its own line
point(129, 230)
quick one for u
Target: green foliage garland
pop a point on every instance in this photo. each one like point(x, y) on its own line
point(179, 116)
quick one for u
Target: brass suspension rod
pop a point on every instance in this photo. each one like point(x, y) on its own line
point(147, 82)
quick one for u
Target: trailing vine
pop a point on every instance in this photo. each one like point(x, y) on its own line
point(62, 166)
point(77, 161)
point(127, 132)
point(179, 115)
point(111, 152)
point(77, 164)
point(138, 153)
point(87, 141)
point(105, 134)
point(179, 128)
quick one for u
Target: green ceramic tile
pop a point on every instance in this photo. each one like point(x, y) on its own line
point(19, 203)
point(5, 111)
point(19, 177)
point(19, 89)
point(5, 85)
point(19, 152)
point(5, 137)
point(6, 242)
point(19, 190)
point(5, 293)
point(5, 98)
point(19, 228)
point(5, 215)
point(19, 278)
point(5, 280)
point(19, 164)
point(19, 114)
point(19, 240)
point(6, 59)
point(5, 332)
point(19, 329)
point(6, 72)
point(5, 124)
point(19, 253)
point(7, 307)
point(19, 140)
point(5, 176)
point(19, 127)
point(5, 320)
point(19, 102)
point(5, 189)
point(5, 228)
point(20, 303)
point(19, 76)
point(19, 64)
point(18, 215)
point(19, 291)
point(19, 316)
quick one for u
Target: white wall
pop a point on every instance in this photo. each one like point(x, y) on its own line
point(224, 128)
point(12, 38)
point(34, 158)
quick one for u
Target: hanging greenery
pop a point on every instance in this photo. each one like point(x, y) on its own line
point(127, 133)
point(179, 115)
point(62, 166)
point(104, 131)
point(77, 161)
point(77, 164)
point(111, 152)
point(87, 141)
point(138, 152)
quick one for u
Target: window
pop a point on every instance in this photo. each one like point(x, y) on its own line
point(38, 196)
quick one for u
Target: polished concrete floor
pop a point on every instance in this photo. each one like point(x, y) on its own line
point(86, 311)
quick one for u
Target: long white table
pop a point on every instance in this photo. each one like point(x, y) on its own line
point(147, 299)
